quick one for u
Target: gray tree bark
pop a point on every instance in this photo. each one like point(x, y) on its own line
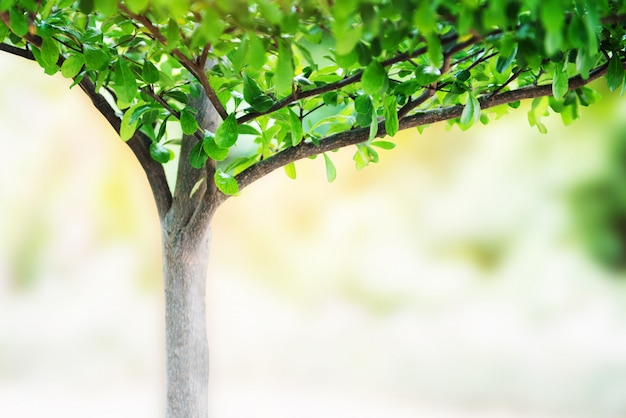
point(185, 262)
point(185, 230)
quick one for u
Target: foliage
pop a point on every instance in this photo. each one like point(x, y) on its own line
point(294, 79)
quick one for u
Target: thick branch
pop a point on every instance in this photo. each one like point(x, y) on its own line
point(359, 135)
point(194, 210)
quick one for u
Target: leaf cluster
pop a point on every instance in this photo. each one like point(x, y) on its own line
point(306, 75)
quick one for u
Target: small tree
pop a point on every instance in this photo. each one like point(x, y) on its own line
point(231, 90)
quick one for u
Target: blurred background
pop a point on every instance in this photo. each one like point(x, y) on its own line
point(468, 274)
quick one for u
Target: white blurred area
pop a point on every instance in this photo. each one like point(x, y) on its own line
point(446, 281)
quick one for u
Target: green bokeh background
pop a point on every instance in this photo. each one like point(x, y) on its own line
point(468, 274)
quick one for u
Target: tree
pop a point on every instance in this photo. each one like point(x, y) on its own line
point(233, 90)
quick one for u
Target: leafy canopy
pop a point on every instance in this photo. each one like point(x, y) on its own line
point(293, 79)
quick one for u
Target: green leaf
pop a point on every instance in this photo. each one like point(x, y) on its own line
point(588, 96)
point(197, 156)
point(615, 73)
point(306, 54)
point(18, 21)
point(127, 128)
point(256, 52)
point(252, 94)
point(149, 72)
point(504, 62)
point(471, 112)
point(212, 149)
point(49, 52)
point(373, 126)
point(4, 30)
point(270, 11)
point(137, 6)
point(188, 122)
point(537, 110)
point(435, 50)
point(226, 183)
point(159, 153)
point(296, 128)
point(177, 95)
point(210, 28)
point(95, 58)
point(361, 157)
point(238, 57)
point(227, 133)
point(72, 66)
point(374, 78)
point(331, 171)
point(125, 82)
point(86, 6)
point(427, 74)
point(283, 78)
point(363, 104)
point(391, 115)
point(172, 33)
point(248, 130)
point(552, 17)
point(384, 144)
point(330, 98)
point(106, 7)
point(290, 170)
point(463, 76)
point(560, 82)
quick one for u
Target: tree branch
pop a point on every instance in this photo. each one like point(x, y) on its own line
point(355, 78)
point(139, 145)
point(196, 70)
point(20, 52)
point(359, 135)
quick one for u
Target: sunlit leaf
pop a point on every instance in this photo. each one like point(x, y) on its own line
point(226, 183)
point(212, 149)
point(149, 72)
point(391, 115)
point(290, 170)
point(331, 171)
point(72, 66)
point(128, 128)
point(374, 78)
point(227, 133)
point(18, 21)
point(125, 82)
point(615, 73)
point(283, 78)
point(296, 128)
point(188, 122)
point(159, 153)
point(197, 156)
point(560, 82)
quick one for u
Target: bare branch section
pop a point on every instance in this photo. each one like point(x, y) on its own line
point(359, 135)
point(20, 52)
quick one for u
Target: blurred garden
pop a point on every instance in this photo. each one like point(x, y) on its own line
point(467, 274)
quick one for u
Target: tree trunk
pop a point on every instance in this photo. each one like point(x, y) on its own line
point(185, 262)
